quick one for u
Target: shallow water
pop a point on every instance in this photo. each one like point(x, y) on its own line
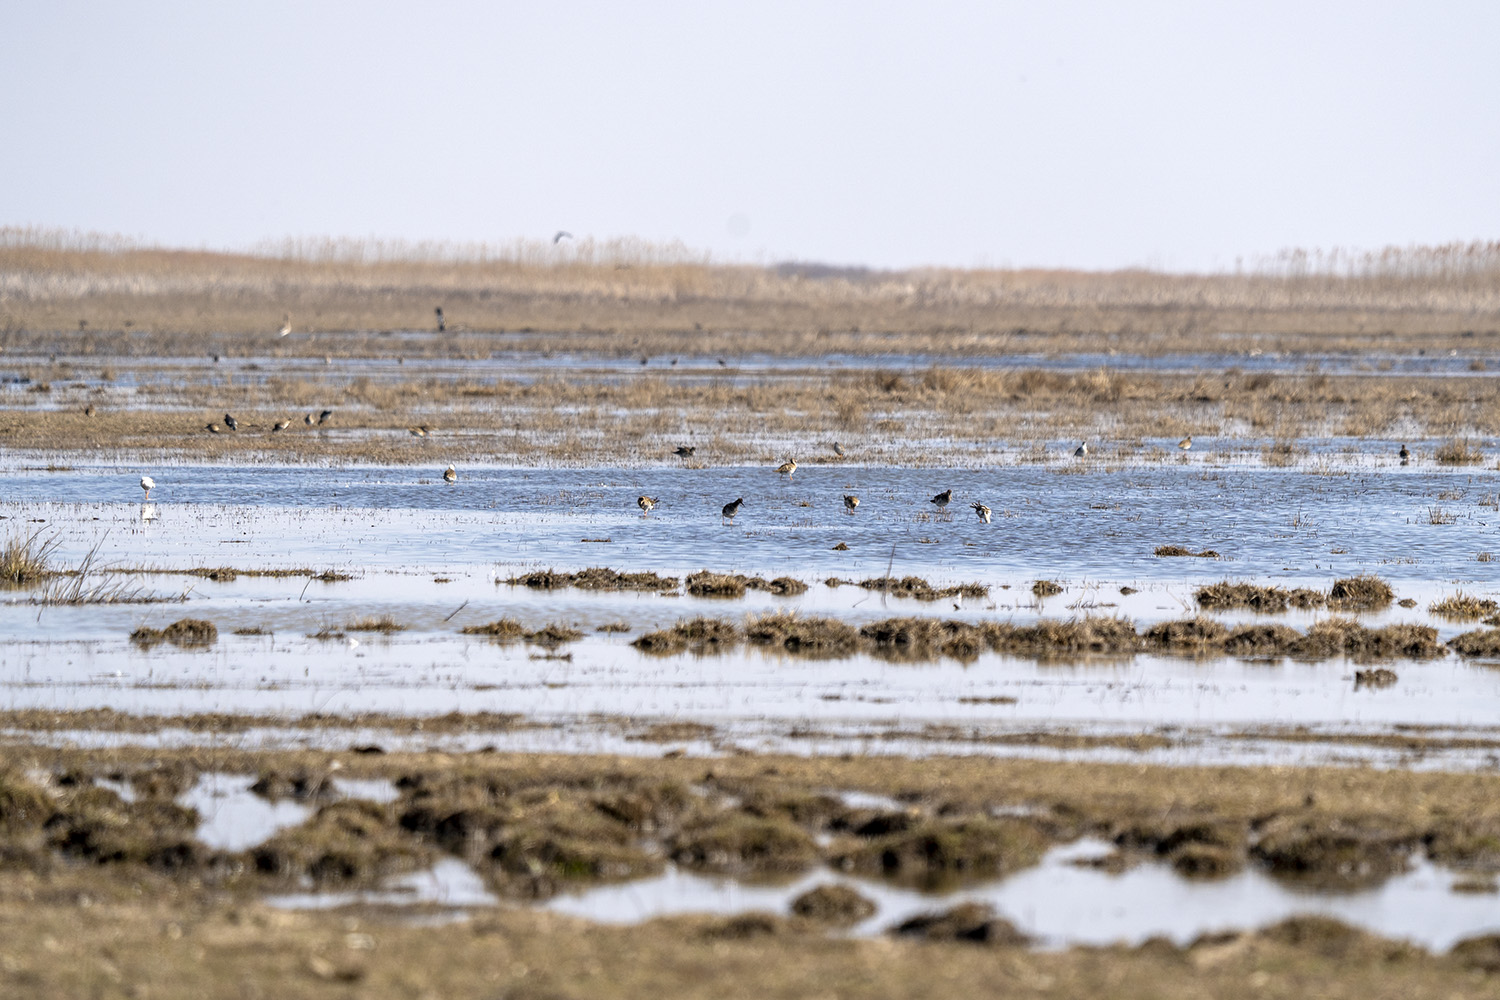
point(1093, 531)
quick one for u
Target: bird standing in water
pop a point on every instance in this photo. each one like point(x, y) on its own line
point(981, 511)
point(1404, 455)
point(442, 324)
point(731, 509)
point(1186, 444)
point(1082, 451)
point(787, 468)
point(850, 502)
point(942, 499)
point(148, 484)
point(645, 503)
point(450, 475)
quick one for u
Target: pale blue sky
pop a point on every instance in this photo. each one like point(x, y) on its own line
point(1177, 135)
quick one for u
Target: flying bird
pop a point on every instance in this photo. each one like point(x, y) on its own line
point(230, 422)
point(981, 511)
point(450, 475)
point(560, 235)
point(731, 509)
point(148, 484)
point(645, 503)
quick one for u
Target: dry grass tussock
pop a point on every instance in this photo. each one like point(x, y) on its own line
point(1359, 593)
point(25, 560)
point(1463, 607)
point(665, 295)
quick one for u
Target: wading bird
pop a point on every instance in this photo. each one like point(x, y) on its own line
point(286, 326)
point(280, 425)
point(230, 422)
point(787, 468)
point(1404, 455)
point(850, 502)
point(837, 450)
point(450, 475)
point(685, 450)
point(148, 484)
point(1186, 444)
point(324, 415)
point(942, 499)
point(1082, 451)
point(645, 503)
point(441, 324)
point(731, 509)
point(981, 511)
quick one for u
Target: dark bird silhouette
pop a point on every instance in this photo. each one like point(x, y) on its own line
point(560, 235)
point(685, 450)
point(441, 325)
point(323, 417)
point(230, 422)
point(1404, 455)
point(731, 509)
point(942, 499)
point(308, 420)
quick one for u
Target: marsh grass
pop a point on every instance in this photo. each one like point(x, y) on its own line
point(553, 635)
point(501, 628)
point(188, 633)
point(375, 623)
point(1360, 593)
point(1178, 550)
point(1463, 607)
point(1458, 451)
point(26, 559)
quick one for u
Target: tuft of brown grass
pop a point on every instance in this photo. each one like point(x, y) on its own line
point(501, 628)
point(25, 559)
point(375, 623)
point(1463, 607)
point(1458, 451)
point(1360, 593)
point(187, 633)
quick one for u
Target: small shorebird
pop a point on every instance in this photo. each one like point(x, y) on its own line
point(286, 326)
point(308, 420)
point(731, 509)
point(1404, 455)
point(212, 427)
point(837, 450)
point(230, 422)
point(787, 468)
point(450, 475)
point(645, 503)
point(942, 499)
point(442, 325)
point(280, 425)
point(419, 431)
point(1082, 451)
point(324, 415)
point(1186, 444)
point(89, 411)
point(685, 450)
point(148, 484)
point(981, 511)
point(850, 502)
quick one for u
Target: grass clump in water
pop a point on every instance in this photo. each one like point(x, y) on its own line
point(701, 635)
point(835, 905)
point(187, 633)
point(975, 923)
point(553, 635)
point(1463, 607)
point(24, 560)
point(1178, 550)
point(1481, 644)
point(501, 628)
point(937, 853)
point(708, 584)
point(1223, 595)
point(1358, 593)
point(737, 843)
point(1045, 588)
point(594, 578)
point(792, 633)
point(374, 623)
point(917, 588)
point(1458, 451)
